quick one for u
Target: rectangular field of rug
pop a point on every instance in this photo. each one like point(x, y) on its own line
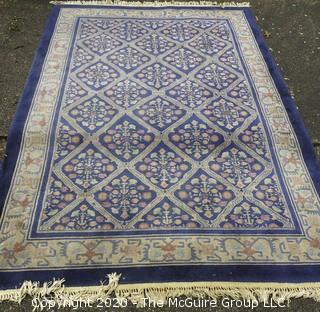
point(157, 147)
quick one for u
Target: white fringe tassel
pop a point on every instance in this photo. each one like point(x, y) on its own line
point(56, 292)
point(153, 3)
point(262, 292)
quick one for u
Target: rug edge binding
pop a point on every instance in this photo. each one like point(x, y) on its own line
point(153, 4)
point(55, 291)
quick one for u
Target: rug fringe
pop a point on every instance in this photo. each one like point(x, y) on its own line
point(261, 292)
point(57, 293)
point(153, 3)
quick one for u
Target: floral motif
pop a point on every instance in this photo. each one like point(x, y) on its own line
point(202, 24)
point(163, 167)
point(180, 32)
point(128, 31)
point(155, 44)
point(268, 191)
point(159, 113)
point(98, 75)
point(255, 139)
point(190, 93)
point(102, 43)
point(74, 92)
point(127, 93)
point(221, 31)
point(229, 58)
point(68, 139)
point(81, 57)
point(208, 44)
point(103, 23)
point(216, 76)
point(127, 139)
point(237, 166)
point(58, 198)
point(166, 215)
point(128, 59)
point(248, 215)
point(88, 168)
point(82, 218)
point(157, 76)
point(92, 114)
point(86, 30)
point(125, 196)
point(225, 114)
point(184, 59)
point(242, 93)
point(153, 24)
point(195, 138)
point(205, 195)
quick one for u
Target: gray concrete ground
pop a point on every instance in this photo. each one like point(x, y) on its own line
point(292, 31)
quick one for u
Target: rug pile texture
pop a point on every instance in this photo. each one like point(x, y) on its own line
point(156, 150)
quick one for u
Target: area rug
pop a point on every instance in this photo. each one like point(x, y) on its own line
point(156, 152)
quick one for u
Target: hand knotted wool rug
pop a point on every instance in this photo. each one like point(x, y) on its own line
point(157, 146)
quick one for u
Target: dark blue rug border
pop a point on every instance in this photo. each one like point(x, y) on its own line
point(25, 101)
point(233, 273)
point(166, 274)
point(291, 108)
